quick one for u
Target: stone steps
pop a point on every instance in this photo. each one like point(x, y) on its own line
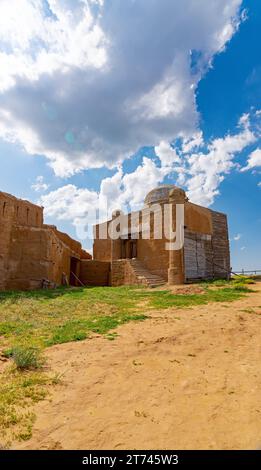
point(144, 276)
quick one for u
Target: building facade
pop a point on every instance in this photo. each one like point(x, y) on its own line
point(141, 256)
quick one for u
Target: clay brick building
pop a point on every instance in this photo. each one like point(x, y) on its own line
point(135, 259)
point(31, 251)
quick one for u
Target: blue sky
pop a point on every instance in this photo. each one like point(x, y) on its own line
point(118, 114)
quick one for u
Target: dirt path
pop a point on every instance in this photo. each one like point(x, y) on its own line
point(183, 379)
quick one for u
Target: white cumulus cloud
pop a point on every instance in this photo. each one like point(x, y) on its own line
point(208, 169)
point(39, 185)
point(199, 173)
point(87, 83)
point(253, 161)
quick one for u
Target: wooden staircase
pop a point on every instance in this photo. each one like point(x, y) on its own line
point(144, 276)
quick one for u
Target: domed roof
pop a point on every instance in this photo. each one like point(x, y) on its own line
point(160, 194)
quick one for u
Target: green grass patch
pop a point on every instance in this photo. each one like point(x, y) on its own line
point(39, 319)
point(42, 318)
point(165, 299)
point(77, 330)
point(27, 358)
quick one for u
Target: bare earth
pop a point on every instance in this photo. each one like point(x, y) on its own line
point(183, 379)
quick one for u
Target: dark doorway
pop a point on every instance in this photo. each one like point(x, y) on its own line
point(129, 249)
point(74, 272)
point(133, 249)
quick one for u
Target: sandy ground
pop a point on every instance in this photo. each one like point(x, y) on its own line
point(183, 379)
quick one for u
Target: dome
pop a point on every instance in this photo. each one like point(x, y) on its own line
point(160, 194)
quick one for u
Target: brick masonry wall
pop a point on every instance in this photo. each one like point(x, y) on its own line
point(95, 273)
point(154, 256)
point(122, 273)
point(19, 211)
point(72, 244)
point(102, 250)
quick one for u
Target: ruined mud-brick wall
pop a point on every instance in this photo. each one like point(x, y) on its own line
point(13, 212)
point(29, 250)
point(122, 273)
point(60, 248)
point(72, 244)
point(95, 273)
point(19, 211)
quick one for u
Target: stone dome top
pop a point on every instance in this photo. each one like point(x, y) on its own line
point(161, 194)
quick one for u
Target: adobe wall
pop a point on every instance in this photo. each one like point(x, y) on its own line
point(122, 273)
point(28, 261)
point(95, 273)
point(101, 247)
point(19, 211)
point(85, 255)
point(14, 211)
point(36, 254)
point(5, 238)
point(31, 251)
point(72, 244)
point(102, 250)
point(198, 219)
point(154, 256)
point(59, 256)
